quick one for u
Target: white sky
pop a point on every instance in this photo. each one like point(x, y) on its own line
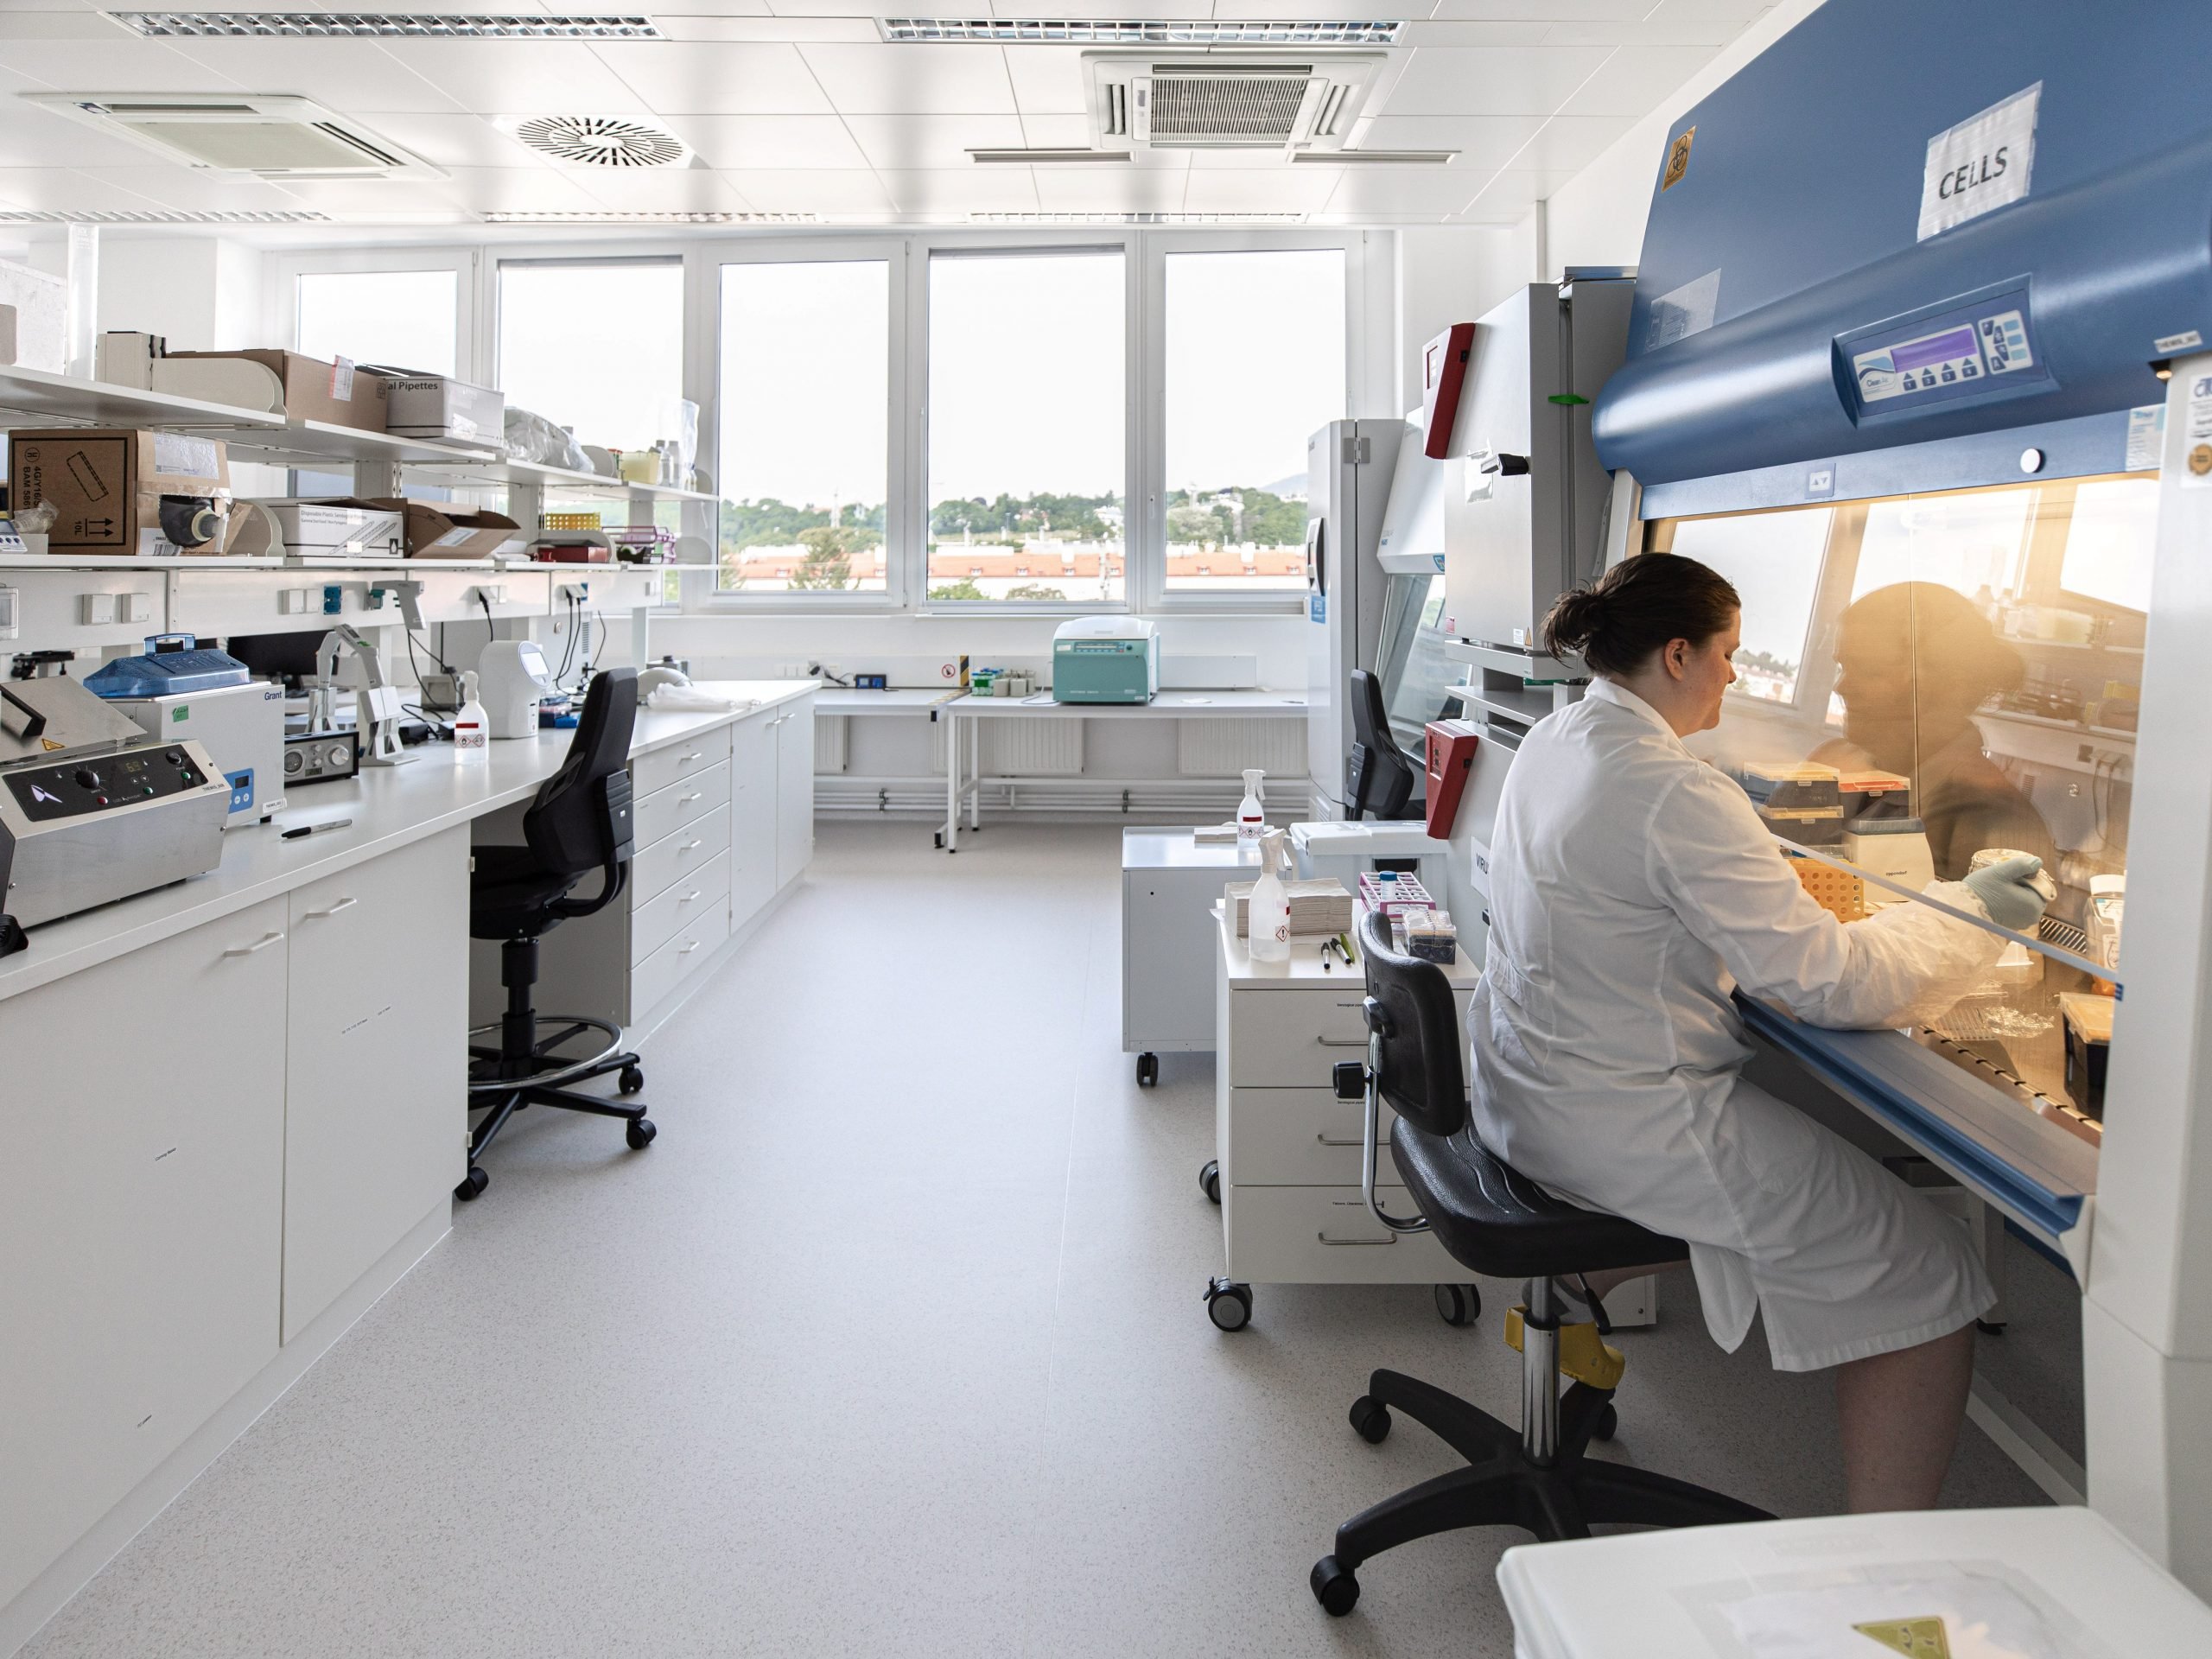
point(1027, 386)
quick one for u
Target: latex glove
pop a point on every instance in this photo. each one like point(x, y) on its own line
point(2012, 891)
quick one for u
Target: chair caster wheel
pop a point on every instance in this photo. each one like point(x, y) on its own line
point(1334, 1587)
point(631, 1080)
point(1210, 1180)
point(1372, 1419)
point(1459, 1305)
point(1608, 1423)
point(639, 1132)
point(1990, 1327)
point(1148, 1071)
point(1229, 1305)
point(472, 1183)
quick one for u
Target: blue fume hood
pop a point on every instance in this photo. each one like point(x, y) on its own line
point(1787, 314)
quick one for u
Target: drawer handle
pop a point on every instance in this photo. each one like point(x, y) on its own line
point(343, 903)
point(1326, 1239)
point(693, 846)
point(261, 944)
point(695, 754)
point(689, 897)
point(1342, 1042)
point(1347, 1139)
point(696, 795)
point(688, 948)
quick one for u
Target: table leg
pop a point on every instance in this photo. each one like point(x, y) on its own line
point(975, 779)
point(951, 837)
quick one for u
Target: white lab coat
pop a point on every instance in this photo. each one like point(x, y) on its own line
point(1633, 887)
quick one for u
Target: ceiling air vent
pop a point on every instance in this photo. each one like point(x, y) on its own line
point(601, 140)
point(1252, 101)
point(267, 137)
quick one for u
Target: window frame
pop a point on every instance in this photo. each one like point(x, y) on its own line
point(464, 263)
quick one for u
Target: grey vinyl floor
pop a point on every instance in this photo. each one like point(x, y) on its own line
point(893, 1343)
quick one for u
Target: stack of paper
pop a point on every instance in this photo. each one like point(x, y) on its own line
point(1318, 908)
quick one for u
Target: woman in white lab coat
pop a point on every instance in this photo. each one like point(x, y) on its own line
point(1633, 888)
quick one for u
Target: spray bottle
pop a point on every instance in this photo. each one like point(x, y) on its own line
point(1269, 916)
point(1251, 817)
point(471, 726)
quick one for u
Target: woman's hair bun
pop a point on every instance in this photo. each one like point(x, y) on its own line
point(1635, 608)
point(1572, 620)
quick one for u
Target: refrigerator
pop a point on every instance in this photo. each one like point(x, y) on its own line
point(1348, 468)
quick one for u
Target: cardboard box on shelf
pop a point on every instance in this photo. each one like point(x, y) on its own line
point(340, 527)
point(122, 491)
point(448, 529)
point(444, 410)
point(301, 388)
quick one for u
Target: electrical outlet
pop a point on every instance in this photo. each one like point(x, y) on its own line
point(489, 593)
point(334, 600)
point(296, 601)
point(96, 610)
point(11, 602)
point(134, 607)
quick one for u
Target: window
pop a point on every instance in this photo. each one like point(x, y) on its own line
point(595, 346)
point(1254, 363)
point(804, 406)
point(1028, 448)
point(405, 319)
point(1774, 560)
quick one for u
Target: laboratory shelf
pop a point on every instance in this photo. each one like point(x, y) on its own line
point(2038, 1173)
point(33, 396)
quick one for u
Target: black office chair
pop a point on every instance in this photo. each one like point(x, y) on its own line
point(1497, 1222)
point(580, 821)
point(1380, 779)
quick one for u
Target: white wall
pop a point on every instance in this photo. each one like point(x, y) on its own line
point(1598, 217)
point(168, 285)
point(1452, 273)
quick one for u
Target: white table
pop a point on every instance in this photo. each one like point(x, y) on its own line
point(970, 711)
point(1659, 1595)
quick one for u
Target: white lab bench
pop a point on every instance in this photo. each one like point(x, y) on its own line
point(235, 1107)
point(963, 716)
point(1665, 1594)
point(1286, 1149)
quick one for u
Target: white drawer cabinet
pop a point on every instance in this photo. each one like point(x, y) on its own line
point(656, 769)
point(376, 1073)
point(141, 1218)
point(794, 788)
point(682, 802)
point(1287, 1150)
point(680, 853)
point(681, 904)
point(753, 779)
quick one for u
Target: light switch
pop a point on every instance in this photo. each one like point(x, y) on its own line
point(296, 601)
point(96, 610)
point(11, 602)
point(137, 607)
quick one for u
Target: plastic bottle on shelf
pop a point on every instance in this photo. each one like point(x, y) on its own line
point(1251, 817)
point(1269, 916)
point(472, 728)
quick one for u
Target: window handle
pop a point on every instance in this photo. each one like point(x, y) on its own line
point(261, 944)
point(343, 903)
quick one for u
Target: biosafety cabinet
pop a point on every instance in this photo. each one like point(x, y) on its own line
point(1917, 358)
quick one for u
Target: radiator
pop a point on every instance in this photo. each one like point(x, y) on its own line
point(830, 744)
point(1221, 748)
point(1020, 746)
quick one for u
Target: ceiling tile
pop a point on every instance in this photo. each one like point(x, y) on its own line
point(52, 188)
point(916, 142)
point(975, 190)
point(371, 201)
point(685, 79)
point(1422, 190)
point(520, 77)
point(1622, 11)
point(349, 76)
point(748, 30)
point(1516, 191)
point(1487, 141)
point(1249, 190)
point(1570, 143)
point(1111, 189)
point(450, 140)
point(51, 23)
point(1685, 33)
point(696, 10)
point(1511, 80)
point(1015, 9)
point(1048, 80)
point(192, 190)
point(769, 141)
point(1636, 78)
point(1736, 15)
point(496, 189)
point(33, 136)
point(1536, 33)
point(660, 190)
point(1302, 10)
point(775, 190)
point(117, 66)
point(913, 79)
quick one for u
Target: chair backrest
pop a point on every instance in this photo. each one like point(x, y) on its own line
point(1381, 778)
point(579, 820)
point(1421, 1071)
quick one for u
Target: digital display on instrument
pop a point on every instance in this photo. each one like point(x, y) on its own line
point(1958, 356)
point(1936, 348)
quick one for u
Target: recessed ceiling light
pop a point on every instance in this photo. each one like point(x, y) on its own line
point(1044, 157)
point(275, 216)
point(1016, 218)
point(1140, 31)
point(703, 218)
point(426, 26)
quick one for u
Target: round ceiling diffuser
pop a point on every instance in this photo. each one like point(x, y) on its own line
point(600, 140)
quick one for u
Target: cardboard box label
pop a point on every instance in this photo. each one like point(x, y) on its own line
point(455, 538)
point(177, 455)
point(341, 379)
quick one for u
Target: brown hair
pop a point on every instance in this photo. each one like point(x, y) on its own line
point(1636, 608)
